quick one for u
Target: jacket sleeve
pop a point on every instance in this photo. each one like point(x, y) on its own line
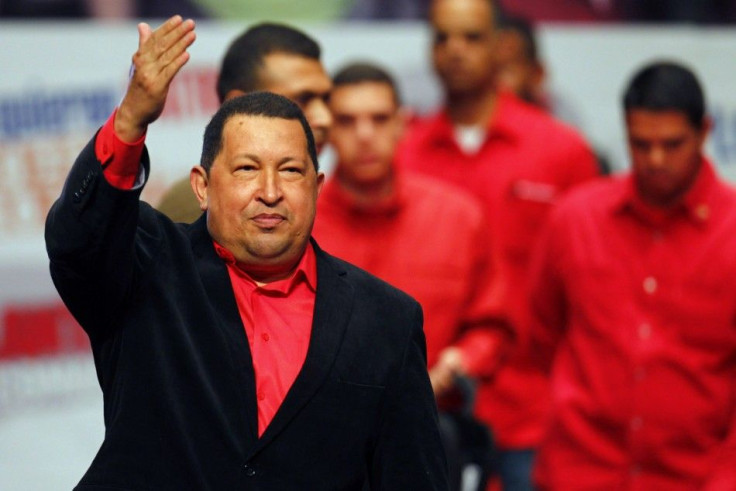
point(90, 240)
point(409, 453)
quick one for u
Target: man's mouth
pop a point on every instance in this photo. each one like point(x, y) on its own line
point(268, 220)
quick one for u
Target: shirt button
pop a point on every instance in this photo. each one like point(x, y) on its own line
point(261, 396)
point(650, 284)
point(636, 423)
point(249, 471)
point(703, 212)
point(265, 336)
point(645, 331)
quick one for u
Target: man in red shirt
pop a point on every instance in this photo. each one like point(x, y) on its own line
point(420, 234)
point(634, 296)
point(233, 353)
point(518, 161)
point(272, 57)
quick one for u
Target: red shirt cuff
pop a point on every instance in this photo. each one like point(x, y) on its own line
point(120, 160)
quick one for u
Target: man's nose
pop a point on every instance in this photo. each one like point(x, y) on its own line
point(270, 187)
point(657, 157)
point(455, 45)
point(319, 115)
point(365, 129)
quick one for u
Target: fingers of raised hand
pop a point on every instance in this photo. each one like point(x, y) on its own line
point(162, 52)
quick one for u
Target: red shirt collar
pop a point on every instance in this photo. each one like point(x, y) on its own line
point(502, 124)
point(697, 204)
point(390, 205)
point(306, 271)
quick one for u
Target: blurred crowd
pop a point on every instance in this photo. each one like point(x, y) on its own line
point(677, 11)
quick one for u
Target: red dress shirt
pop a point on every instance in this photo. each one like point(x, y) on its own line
point(277, 316)
point(525, 162)
point(278, 322)
point(430, 240)
point(641, 308)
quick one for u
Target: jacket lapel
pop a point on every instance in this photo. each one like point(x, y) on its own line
point(216, 281)
point(332, 309)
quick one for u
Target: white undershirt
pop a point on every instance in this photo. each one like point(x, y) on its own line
point(470, 138)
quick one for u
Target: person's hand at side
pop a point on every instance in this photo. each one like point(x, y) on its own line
point(442, 374)
point(161, 54)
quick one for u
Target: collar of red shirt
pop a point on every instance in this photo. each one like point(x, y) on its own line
point(389, 205)
point(306, 271)
point(697, 203)
point(503, 123)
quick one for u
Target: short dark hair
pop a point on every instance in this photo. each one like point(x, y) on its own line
point(525, 29)
point(240, 65)
point(667, 85)
point(253, 104)
point(360, 72)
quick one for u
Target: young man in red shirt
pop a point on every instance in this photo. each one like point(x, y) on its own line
point(634, 296)
point(420, 234)
point(517, 160)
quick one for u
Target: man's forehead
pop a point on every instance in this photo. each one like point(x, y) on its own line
point(475, 14)
point(371, 96)
point(286, 73)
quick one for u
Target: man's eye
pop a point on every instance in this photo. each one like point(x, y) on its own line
point(440, 38)
point(474, 37)
point(303, 100)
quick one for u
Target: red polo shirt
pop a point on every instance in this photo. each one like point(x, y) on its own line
point(277, 316)
point(525, 162)
point(430, 240)
point(639, 309)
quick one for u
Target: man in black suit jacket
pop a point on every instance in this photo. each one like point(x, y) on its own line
point(172, 357)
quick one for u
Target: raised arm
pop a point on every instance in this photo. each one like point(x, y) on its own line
point(160, 56)
point(91, 229)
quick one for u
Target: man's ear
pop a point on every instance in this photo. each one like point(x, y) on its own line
point(199, 181)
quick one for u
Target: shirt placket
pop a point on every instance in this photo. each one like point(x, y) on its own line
point(648, 282)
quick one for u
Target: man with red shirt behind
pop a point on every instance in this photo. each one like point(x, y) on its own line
point(233, 353)
point(634, 296)
point(420, 234)
point(518, 161)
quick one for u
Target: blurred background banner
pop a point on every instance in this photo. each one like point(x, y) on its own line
point(61, 80)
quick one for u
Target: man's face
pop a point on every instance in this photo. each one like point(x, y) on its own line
point(516, 70)
point(463, 46)
point(261, 194)
point(365, 133)
point(666, 152)
point(304, 81)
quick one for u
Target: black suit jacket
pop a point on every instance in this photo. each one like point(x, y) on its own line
point(176, 373)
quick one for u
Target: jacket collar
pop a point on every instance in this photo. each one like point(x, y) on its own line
point(332, 310)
